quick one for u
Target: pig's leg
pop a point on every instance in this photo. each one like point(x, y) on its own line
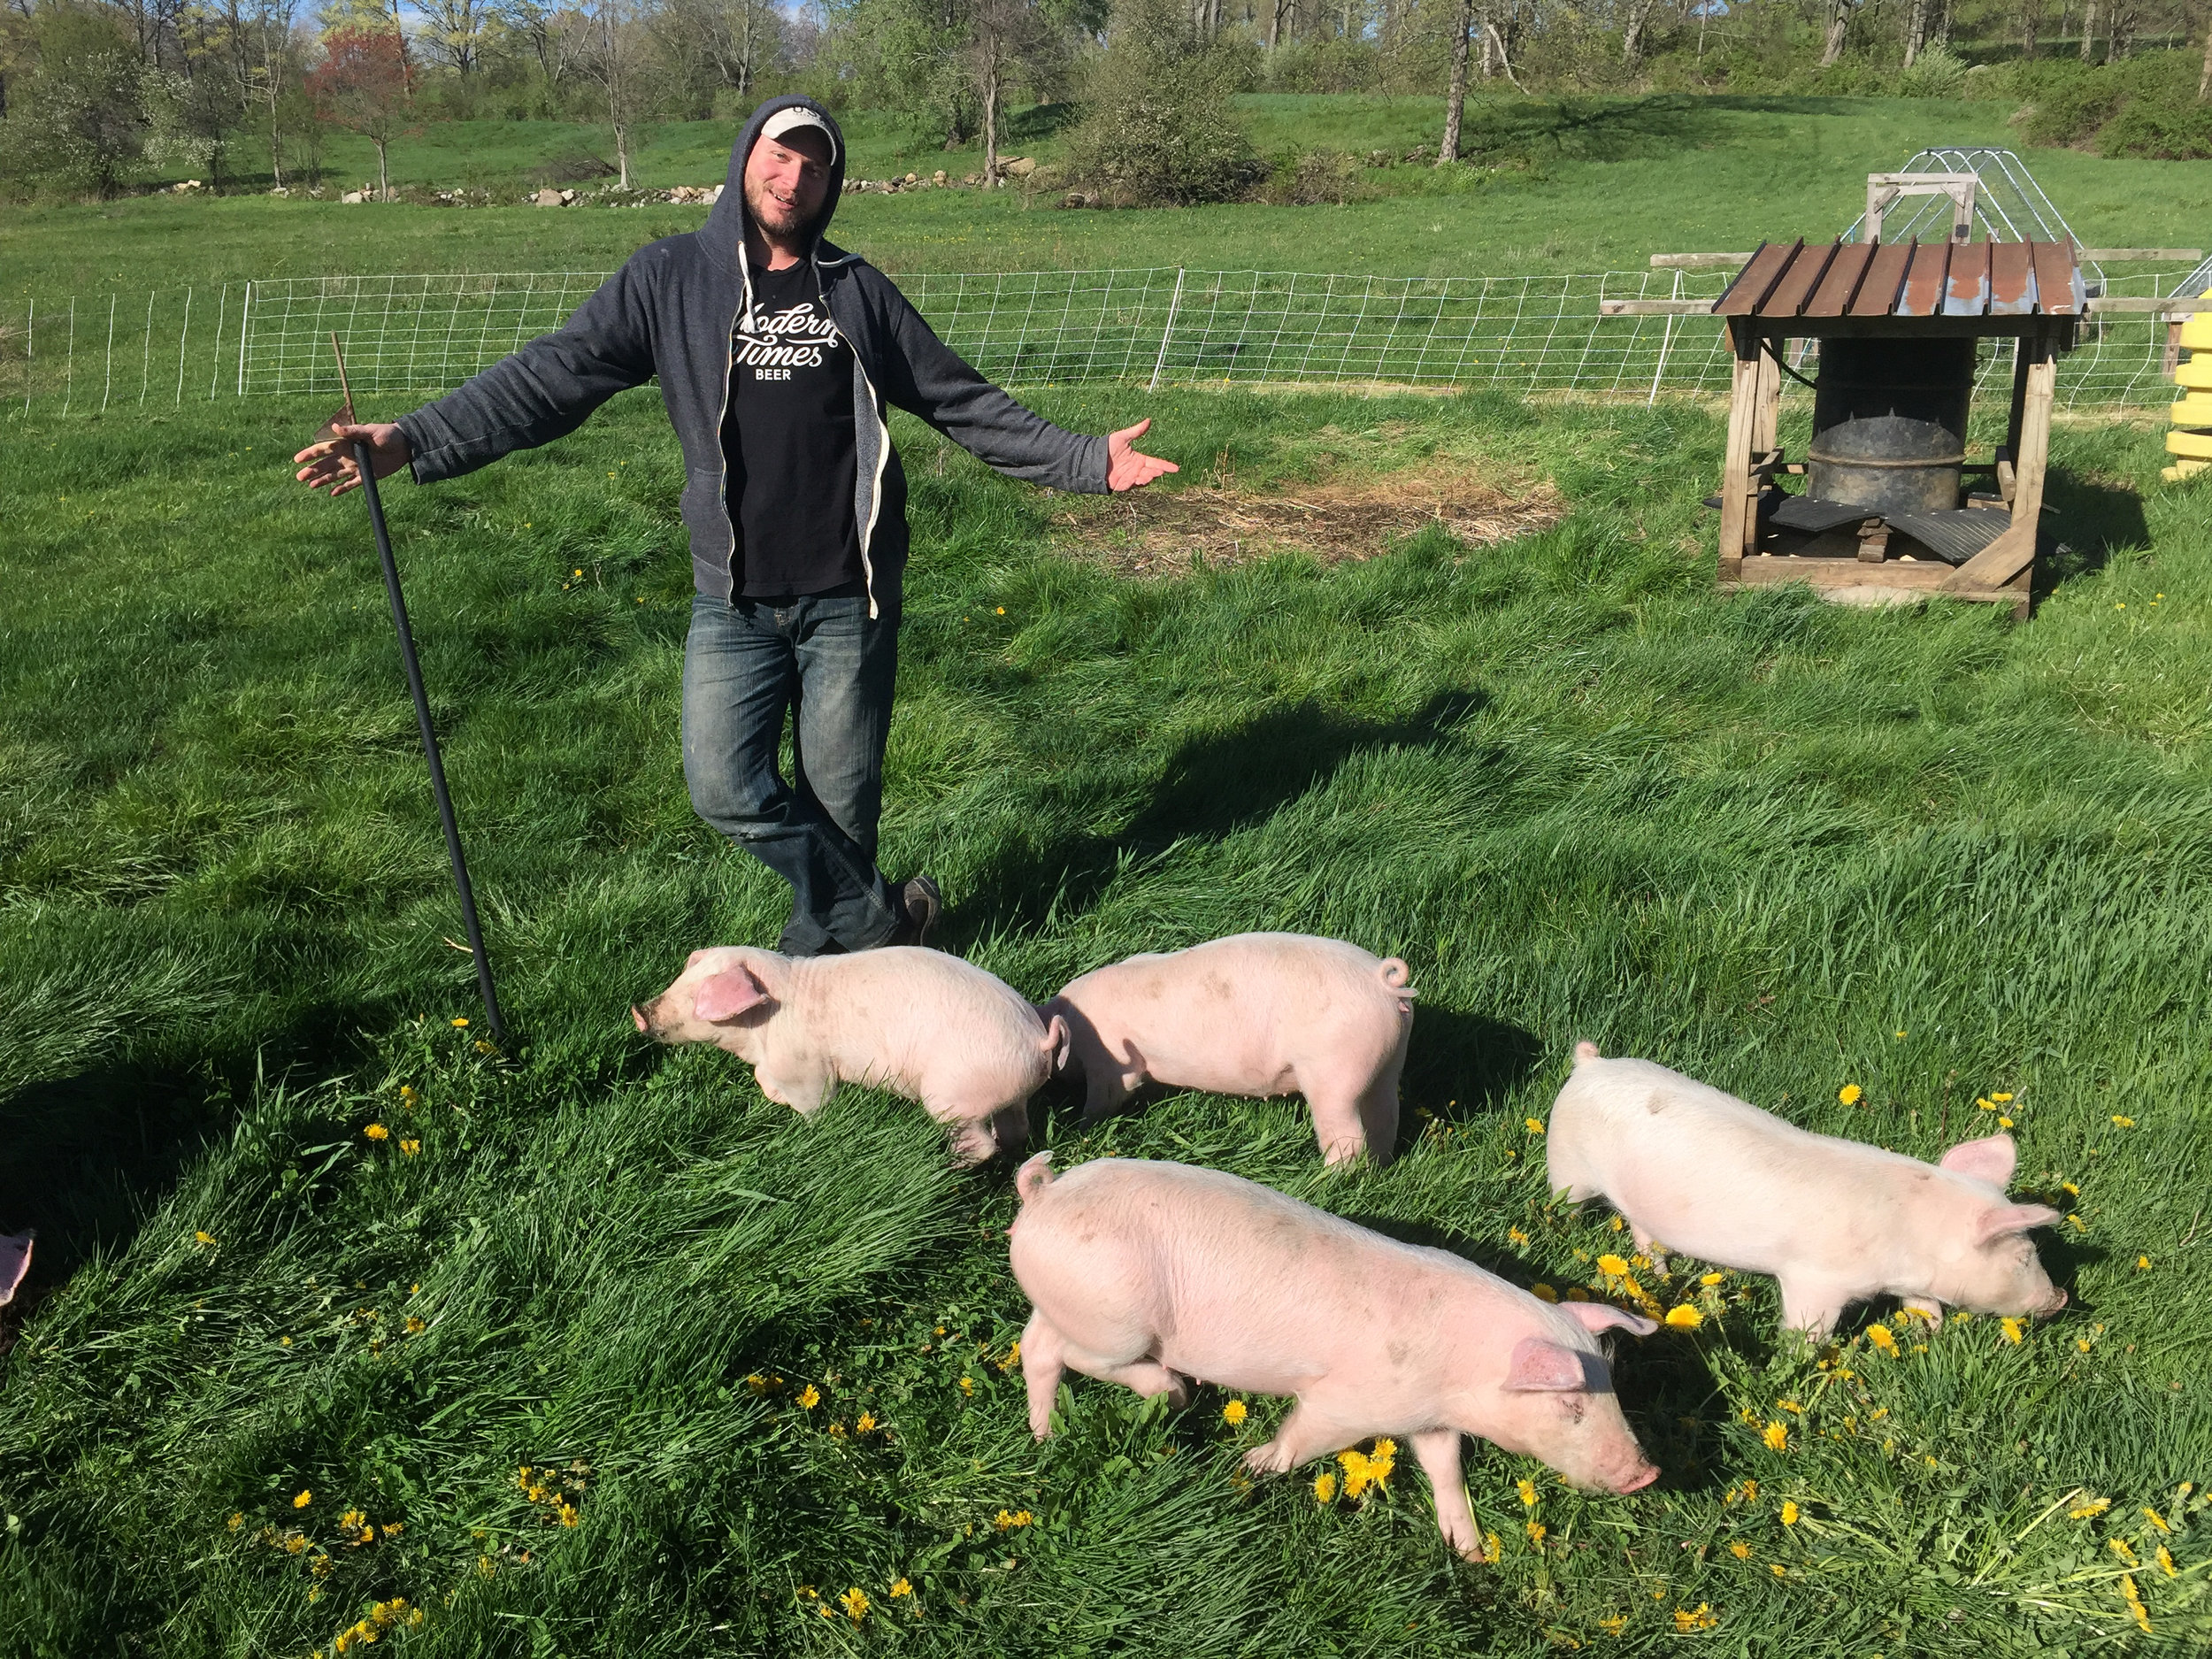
point(1928, 1308)
point(1109, 1079)
point(1336, 1126)
point(1439, 1452)
point(805, 1089)
point(1813, 1305)
point(1649, 1245)
point(1044, 1361)
point(1308, 1433)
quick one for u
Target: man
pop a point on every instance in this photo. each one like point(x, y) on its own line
point(778, 356)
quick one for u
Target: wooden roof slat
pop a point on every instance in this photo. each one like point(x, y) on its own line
point(1966, 290)
point(1845, 271)
point(2011, 278)
point(1756, 280)
point(1922, 293)
point(2056, 277)
point(1797, 283)
point(1878, 291)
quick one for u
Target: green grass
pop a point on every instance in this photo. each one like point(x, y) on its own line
point(1781, 846)
point(1591, 184)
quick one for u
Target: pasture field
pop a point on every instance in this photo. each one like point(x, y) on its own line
point(582, 1347)
point(1589, 185)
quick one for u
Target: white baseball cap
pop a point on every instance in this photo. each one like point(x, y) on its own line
point(791, 120)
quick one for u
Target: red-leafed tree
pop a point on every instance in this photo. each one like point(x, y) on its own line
point(366, 83)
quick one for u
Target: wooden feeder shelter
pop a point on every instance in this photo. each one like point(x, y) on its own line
point(1883, 515)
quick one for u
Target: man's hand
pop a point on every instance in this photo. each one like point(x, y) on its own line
point(330, 461)
point(1127, 468)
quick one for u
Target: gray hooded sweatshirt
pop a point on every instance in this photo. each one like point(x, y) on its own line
point(669, 312)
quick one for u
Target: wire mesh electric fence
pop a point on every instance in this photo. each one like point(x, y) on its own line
point(411, 337)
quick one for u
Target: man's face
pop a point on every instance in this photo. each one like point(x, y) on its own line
point(785, 179)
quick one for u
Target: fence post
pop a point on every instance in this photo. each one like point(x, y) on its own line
point(222, 305)
point(1666, 339)
point(183, 335)
point(1173, 305)
point(146, 350)
point(244, 312)
point(69, 364)
point(107, 372)
point(30, 353)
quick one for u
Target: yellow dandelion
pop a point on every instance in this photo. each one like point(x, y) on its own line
point(2002, 1100)
point(1618, 1223)
point(967, 1386)
point(2142, 1263)
point(1849, 1094)
point(2157, 1520)
point(2120, 1548)
point(1492, 1551)
point(2134, 1597)
point(1527, 1489)
point(1750, 1492)
point(1789, 1512)
point(1684, 1317)
point(1534, 1126)
point(2003, 1122)
point(1234, 1413)
point(410, 1147)
point(1543, 1293)
point(757, 1384)
point(1986, 1105)
point(1711, 1279)
point(1536, 1531)
point(1613, 1623)
point(2123, 1123)
point(377, 1131)
point(2093, 1507)
point(855, 1602)
point(1013, 1358)
point(2166, 1563)
point(1879, 1335)
point(864, 1423)
point(1006, 1521)
point(1612, 1266)
point(1514, 1235)
point(303, 1499)
point(415, 1325)
point(202, 1238)
point(811, 1396)
point(899, 1587)
point(1777, 1436)
point(460, 1022)
point(1324, 1487)
point(1002, 610)
point(1741, 1551)
point(1702, 1618)
point(1778, 1571)
point(2082, 1342)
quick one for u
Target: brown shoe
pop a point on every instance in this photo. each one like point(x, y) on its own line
point(922, 902)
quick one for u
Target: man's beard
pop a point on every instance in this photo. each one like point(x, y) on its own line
point(772, 215)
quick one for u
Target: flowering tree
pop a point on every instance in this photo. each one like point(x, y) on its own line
point(364, 83)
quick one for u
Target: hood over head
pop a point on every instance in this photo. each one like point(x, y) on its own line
point(724, 234)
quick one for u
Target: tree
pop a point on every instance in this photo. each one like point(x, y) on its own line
point(453, 33)
point(617, 58)
point(1839, 27)
point(1456, 98)
point(78, 122)
point(366, 84)
point(1009, 38)
point(1160, 130)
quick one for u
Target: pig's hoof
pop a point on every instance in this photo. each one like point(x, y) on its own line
point(1266, 1460)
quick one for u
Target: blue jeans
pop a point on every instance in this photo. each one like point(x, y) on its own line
point(822, 661)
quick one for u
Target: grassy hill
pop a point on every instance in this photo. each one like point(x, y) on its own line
point(1589, 185)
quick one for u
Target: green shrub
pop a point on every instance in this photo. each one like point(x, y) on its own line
point(79, 124)
point(1160, 132)
point(1936, 73)
point(1317, 178)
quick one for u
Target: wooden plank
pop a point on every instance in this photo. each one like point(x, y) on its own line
point(2122, 255)
point(2011, 278)
point(1698, 261)
point(1846, 270)
point(2130, 304)
point(2054, 279)
point(1922, 293)
point(1879, 291)
point(1966, 286)
point(1767, 417)
point(1836, 576)
point(1797, 282)
point(1736, 521)
point(1655, 307)
point(1756, 280)
point(2013, 552)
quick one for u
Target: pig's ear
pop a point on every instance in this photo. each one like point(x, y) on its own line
point(1541, 1367)
point(726, 994)
point(1595, 1316)
point(1989, 1159)
point(2006, 1219)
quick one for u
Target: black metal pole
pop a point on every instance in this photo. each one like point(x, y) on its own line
point(430, 743)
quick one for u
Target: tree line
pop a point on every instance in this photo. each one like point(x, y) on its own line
point(97, 95)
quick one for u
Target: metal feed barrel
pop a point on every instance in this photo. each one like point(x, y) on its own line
point(1889, 423)
point(2191, 437)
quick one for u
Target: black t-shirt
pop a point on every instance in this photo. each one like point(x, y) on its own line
point(789, 437)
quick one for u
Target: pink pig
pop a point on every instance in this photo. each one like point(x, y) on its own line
point(918, 1023)
point(1257, 1014)
point(1835, 1221)
point(1145, 1273)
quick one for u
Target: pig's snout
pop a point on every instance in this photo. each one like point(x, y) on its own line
point(1641, 1479)
point(2056, 1303)
point(641, 1020)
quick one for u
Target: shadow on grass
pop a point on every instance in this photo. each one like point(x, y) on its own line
point(1210, 789)
point(2092, 522)
point(1470, 1063)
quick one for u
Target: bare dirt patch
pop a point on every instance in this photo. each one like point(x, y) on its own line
point(1155, 532)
